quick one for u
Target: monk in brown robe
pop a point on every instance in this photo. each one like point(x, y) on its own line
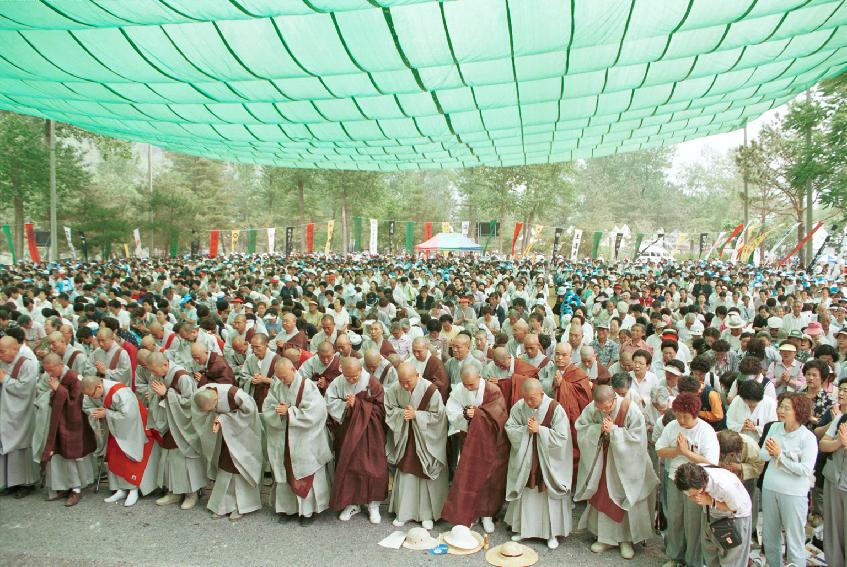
point(430, 367)
point(210, 367)
point(568, 384)
point(477, 412)
point(290, 336)
point(355, 405)
point(508, 373)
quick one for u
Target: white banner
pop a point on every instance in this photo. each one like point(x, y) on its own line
point(271, 240)
point(577, 239)
point(466, 227)
point(715, 243)
point(374, 236)
point(70, 242)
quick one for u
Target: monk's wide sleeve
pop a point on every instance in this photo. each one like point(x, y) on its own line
point(43, 411)
point(125, 425)
point(555, 454)
point(242, 432)
point(546, 376)
point(456, 410)
point(335, 402)
point(430, 430)
point(17, 396)
point(179, 416)
point(123, 371)
point(629, 473)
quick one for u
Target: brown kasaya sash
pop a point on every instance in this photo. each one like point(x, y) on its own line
point(225, 461)
point(17, 368)
point(260, 391)
point(601, 499)
point(410, 463)
point(536, 476)
point(302, 486)
point(72, 359)
point(115, 359)
point(384, 374)
point(168, 441)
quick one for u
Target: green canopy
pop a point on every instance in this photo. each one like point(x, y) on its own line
point(408, 84)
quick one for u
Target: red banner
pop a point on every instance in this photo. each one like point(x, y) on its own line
point(735, 232)
point(427, 231)
point(518, 228)
point(801, 244)
point(214, 236)
point(310, 238)
point(29, 230)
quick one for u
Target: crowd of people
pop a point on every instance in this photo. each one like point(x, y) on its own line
point(704, 401)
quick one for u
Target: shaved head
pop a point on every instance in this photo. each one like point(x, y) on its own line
point(206, 399)
point(407, 376)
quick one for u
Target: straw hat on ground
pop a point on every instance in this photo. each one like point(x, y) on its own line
point(511, 554)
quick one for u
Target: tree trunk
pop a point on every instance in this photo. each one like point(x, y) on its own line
point(301, 201)
point(18, 204)
point(501, 218)
point(801, 232)
point(345, 237)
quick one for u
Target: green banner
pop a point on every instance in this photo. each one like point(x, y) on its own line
point(492, 228)
point(251, 240)
point(174, 246)
point(595, 244)
point(357, 234)
point(638, 238)
point(8, 232)
point(410, 237)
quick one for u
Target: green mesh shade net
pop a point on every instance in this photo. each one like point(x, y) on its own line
point(409, 84)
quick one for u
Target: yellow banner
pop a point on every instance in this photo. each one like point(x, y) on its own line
point(751, 246)
point(445, 227)
point(234, 239)
point(536, 234)
point(126, 250)
point(330, 226)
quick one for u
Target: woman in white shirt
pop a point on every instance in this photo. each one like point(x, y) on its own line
point(750, 410)
point(687, 439)
point(790, 450)
point(340, 315)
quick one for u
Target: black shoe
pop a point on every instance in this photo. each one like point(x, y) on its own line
point(285, 518)
point(24, 491)
point(305, 522)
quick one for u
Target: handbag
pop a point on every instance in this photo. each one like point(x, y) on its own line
point(724, 531)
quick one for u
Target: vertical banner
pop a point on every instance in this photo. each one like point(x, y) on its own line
point(557, 240)
point(83, 243)
point(466, 227)
point(743, 238)
point(136, 237)
point(703, 236)
point(427, 231)
point(374, 237)
point(518, 227)
point(29, 232)
point(213, 243)
point(271, 240)
point(330, 227)
point(577, 240)
point(70, 241)
point(445, 227)
point(410, 237)
point(618, 241)
point(639, 238)
point(289, 240)
point(310, 238)
point(595, 244)
point(7, 230)
point(251, 240)
point(728, 240)
point(391, 229)
point(714, 244)
point(174, 245)
point(234, 235)
point(772, 252)
point(801, 243)
point(357, 234)
point(492, 229)
point(126, 250)
point(536, 235)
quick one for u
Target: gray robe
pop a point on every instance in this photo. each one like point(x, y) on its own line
point(533, 513)
point(123, 422)
point(17, 423)
point(385, 373)
point(122, 372)
point(415, 498)
point(310, 451)
point(241, 430)
point(254, 365)
point(180, 470)
point(80, 361)
point(454, 367)
point(630, 479)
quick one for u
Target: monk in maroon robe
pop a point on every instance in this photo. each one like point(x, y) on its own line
point(212, 367)
point(479, 485)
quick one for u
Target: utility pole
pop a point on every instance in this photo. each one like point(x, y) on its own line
point(809, 197)
point(54, 240)
point(746, 193)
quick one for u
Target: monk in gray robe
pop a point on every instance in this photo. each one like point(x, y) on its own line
point(538, 484)
point(615, 473)
point(380, 368)
point(66, 447)
point(130, 442)
point(237, 356)
point(143, 376)
point(109, 360)
point(417, 446)
point(461, 358)
point(532, 352)
point(181, 469)
point(298, 445)
point(230, 430)
point(72, 356)
point(258, 370)
point(18, 380)
point(376, 340)
point(322, 368)
point(355, 402)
